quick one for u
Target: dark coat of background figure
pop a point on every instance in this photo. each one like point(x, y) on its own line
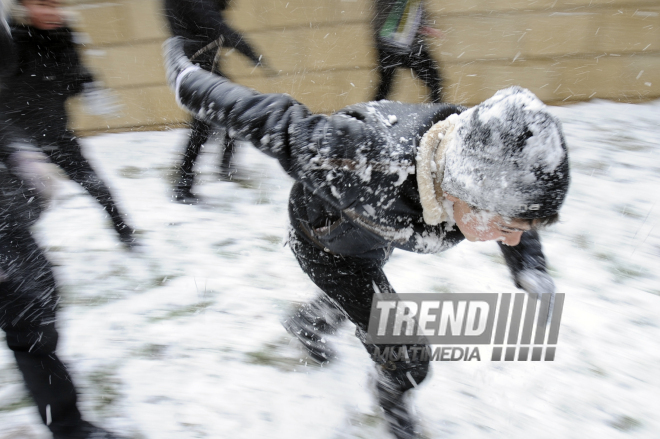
point(28, 292)
point(48, 71)
point(411, 52)
point(202, 24)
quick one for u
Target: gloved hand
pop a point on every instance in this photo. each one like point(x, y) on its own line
point(538, 282)
point(100, 101)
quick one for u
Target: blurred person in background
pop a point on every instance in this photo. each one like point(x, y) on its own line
point(28, 292)
point(203, 25)
point(400, 28)
point(49, 71)
point(380, 176)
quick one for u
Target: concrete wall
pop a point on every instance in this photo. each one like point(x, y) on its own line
point(563, 50)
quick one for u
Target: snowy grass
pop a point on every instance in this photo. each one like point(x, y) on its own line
point(183, 340)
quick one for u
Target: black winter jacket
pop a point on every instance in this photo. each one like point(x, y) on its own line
point(7, 51)
point(201, 22)
point(48, 71)
point(18, 205)
point(356, 189)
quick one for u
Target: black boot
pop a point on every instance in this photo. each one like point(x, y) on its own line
point(125, 232)
point(395, 408)
point(182, 192)
point(311, 322)
point(85, 430)
point(184, 196)
point(127, 236)
point(227, 169)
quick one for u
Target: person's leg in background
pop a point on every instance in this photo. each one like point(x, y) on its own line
point(427, 69)
point(227, 168)
point(67, 154)
point(388, 62)
point(199, 134)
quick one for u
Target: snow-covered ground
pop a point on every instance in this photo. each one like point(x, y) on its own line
point(183, 339)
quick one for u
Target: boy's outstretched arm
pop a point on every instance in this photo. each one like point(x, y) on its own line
point(307, 145)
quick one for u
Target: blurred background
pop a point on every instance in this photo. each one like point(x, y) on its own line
point(562, 50)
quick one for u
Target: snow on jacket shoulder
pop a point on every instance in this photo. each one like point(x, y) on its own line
point(362, 162)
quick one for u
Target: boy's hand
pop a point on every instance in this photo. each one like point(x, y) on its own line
point(538, 282)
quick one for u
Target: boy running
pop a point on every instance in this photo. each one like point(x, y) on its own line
point(380, 176)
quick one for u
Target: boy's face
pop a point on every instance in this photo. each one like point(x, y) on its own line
point(44, 14)
point(486, 226)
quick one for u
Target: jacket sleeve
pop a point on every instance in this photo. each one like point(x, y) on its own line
point(82, 75)
point(526, 263)
point(236, 40)
point(209, 20)
point(310, 147)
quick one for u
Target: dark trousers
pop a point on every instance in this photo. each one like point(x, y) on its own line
point(417, 58)
point(46, 127)
point(28, 302)
point(199, 134)
point(67, 154)
point(350, 283)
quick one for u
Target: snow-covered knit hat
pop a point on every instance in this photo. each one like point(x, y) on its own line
point(508, 156)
